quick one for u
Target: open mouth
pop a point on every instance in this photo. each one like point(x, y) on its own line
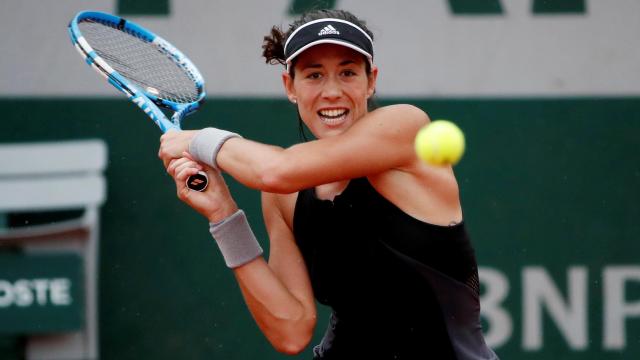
point(333, 117)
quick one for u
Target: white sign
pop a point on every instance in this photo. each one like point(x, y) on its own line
point(422, 48)
point(35, 292)
point(570, 314)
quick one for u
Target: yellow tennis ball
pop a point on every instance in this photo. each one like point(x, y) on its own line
point(440, 142)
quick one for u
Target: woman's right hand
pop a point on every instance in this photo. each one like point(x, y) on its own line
point(173, 143)
point(215, 203)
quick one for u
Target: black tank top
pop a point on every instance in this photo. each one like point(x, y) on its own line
point(399, 288)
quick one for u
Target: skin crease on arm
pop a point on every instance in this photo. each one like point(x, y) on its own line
point(278, 294)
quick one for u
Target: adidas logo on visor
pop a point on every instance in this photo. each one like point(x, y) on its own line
point(328, 30)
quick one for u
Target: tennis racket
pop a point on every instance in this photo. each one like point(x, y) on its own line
point(148, 69)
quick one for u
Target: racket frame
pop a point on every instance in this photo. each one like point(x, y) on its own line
point(144, 99)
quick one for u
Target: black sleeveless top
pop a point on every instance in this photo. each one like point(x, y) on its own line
point(398, 288)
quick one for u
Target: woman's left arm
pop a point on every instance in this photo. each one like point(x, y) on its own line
point(381, 140)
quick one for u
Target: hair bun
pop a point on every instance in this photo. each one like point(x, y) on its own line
point(273, 47)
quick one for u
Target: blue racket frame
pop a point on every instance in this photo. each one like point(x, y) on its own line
point(142, 98)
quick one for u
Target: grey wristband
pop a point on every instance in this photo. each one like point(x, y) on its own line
point(205, 145)
point(235, 239)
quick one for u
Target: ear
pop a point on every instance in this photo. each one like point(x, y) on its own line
point(287, 81)
point(373, 77)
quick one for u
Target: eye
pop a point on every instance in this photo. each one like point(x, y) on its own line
point(314, 75)
point(348, 73)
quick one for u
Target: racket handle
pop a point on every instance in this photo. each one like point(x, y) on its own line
point(198, 182)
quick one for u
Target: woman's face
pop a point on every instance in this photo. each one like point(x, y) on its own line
point(330, 87)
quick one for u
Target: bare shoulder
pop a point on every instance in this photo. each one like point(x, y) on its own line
point(404, 113)
point(398, 120)
point(428, 193)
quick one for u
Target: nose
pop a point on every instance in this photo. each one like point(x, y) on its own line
point(332, 90)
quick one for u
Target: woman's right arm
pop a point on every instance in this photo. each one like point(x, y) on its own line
point(278, 294)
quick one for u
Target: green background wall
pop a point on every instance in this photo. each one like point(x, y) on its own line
point(544, 182)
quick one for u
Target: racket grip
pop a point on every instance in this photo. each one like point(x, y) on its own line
point(198, 182)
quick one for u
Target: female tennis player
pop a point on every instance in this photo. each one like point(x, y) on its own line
point(354, 218)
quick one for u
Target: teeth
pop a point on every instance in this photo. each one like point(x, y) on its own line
point(333, 112)
point(333, 122)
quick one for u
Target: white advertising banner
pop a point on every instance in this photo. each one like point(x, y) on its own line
point(423, 49)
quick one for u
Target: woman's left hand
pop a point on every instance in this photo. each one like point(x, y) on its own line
point(215, 203)
point(173, 144)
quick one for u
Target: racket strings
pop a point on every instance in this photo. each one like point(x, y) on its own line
point(141, 62)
